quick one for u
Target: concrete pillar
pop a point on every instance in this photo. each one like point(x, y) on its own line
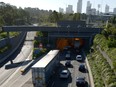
point(8, 38)
point(11, 61)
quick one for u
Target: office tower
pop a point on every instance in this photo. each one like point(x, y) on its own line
point(61, 10)
point(88, 8)
point(93, 11)
point(106, 9)
point(79, 6)
point(98, 11)
point(114, 12)
point(69, 9)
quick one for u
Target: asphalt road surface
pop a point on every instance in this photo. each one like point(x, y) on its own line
point(10, 75)
point(71, 81)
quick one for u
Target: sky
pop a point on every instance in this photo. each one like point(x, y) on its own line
point(55, 4)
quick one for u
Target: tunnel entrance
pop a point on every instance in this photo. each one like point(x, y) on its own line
point(73, 42)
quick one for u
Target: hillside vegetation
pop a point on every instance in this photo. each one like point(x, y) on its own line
point(103, 74)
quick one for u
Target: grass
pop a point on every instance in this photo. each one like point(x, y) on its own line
point(103, 42)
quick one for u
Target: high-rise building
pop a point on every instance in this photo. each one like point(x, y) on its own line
point(61, 10)
point(88, 8)
point(93, 11)
point(106, 9)
point(69, 9)
point(79, 6)
point(114, 12)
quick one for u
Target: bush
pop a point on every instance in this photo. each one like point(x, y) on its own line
point(37, 52)
point(112, 84)
point(111, 43)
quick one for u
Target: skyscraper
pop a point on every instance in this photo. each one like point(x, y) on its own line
point(88, 8)
point(114, 12)
point(61, 10)
point(69, 9)
point(106, 9)
point(79, 6)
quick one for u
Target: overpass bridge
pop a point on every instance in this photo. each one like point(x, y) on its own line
point(86, 33)
point(56, 31)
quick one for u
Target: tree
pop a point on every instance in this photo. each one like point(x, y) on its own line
point(76, 16)
point(1, 21)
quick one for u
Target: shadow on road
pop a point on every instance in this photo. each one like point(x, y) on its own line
point(13, 56)
point(18, 64)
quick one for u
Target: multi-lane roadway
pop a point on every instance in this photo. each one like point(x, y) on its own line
point(10, 75)
point(74, 72)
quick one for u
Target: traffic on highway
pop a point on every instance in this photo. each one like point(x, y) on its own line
point(72, 70)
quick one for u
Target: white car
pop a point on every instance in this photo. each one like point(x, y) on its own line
point(78, 57)
point(64, 74)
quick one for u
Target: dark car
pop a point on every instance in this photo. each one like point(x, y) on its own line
point(68, 56)
point(68, 63)
point(80, 82)
point(64, 74)
point(82, 68)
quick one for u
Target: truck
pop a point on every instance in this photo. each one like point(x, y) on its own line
point(44, 69)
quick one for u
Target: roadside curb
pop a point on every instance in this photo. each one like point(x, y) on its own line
point(89, 72)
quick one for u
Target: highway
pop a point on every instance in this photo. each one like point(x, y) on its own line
point(10, 75)
point(71, 81)
point(56, 81)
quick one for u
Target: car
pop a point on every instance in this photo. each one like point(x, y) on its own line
point(82, 67)
point(69, 52)
point(68, 63)
point(68, 56)
point(79, 57)
point(80, 81)
point(64, 74)
point(67, 48)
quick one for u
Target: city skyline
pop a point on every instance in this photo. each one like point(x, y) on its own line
point(55, 4)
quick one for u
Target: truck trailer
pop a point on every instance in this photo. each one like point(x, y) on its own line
point(44, 69)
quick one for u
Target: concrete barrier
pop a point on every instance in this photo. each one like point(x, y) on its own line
point(20, 40)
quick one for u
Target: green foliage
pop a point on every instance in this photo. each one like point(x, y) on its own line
point(76, 16)
point(111, 43)
point(3, 35)
point(1, 21)
point(112, 84)
point(36, 42)
point(40, 53)
point(39, 34)
point(11, 34)
point(100, 40)
point(54, 16)
point(45, 34)
point(113, 20)
point(11, 15)
point(101, 70)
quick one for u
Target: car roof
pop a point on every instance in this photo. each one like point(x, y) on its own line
point(67, 55)
point(81, 65)
point(78, 55)
point(80, 78)
point(68, 60)
point(64, 71)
